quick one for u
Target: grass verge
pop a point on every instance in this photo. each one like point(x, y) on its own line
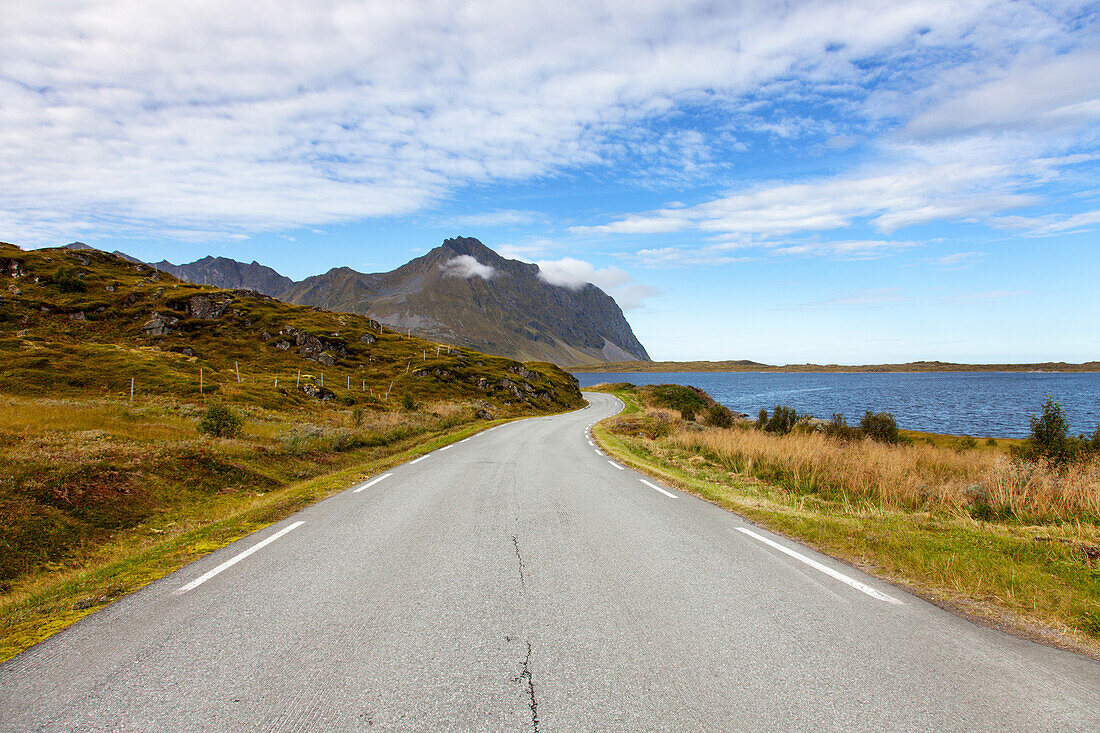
point(59, 592)
point(1036, 579)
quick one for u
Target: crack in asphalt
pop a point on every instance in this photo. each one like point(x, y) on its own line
point(519, 557)
point(526, 680)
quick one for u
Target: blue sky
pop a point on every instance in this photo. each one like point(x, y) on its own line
point(821, 182)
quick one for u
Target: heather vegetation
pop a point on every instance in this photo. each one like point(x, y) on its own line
point(1001, 528)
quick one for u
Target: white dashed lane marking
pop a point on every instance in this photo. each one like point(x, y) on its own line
point(236, 559)
point(373, 482)
point(658, 488)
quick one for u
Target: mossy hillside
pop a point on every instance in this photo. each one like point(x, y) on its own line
point(84, 323)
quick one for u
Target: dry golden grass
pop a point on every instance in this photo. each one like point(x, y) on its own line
point(905, 476)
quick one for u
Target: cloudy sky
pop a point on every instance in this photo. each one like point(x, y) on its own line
point(803, 181)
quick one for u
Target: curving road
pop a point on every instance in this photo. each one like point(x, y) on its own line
point(521, 581)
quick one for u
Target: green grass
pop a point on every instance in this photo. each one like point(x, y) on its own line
point(1038, 580)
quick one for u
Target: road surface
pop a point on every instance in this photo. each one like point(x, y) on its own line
point(518, 581)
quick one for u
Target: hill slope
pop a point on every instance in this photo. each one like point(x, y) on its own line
point(461, 293)
point(80, 322)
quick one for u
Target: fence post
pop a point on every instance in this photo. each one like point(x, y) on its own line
point(238, 368)
point(200, 380)
point(131, 390)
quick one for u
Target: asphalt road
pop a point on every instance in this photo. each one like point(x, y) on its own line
point(521, 581)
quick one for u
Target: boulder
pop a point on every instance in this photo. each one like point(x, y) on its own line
point(159, 325)
point(12, 268)
point(367, 338)
point(208, 306)
point(319, 392)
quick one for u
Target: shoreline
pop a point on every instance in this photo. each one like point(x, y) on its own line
point(1088, 367)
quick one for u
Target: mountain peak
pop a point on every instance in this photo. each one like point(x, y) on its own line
point(472, 247)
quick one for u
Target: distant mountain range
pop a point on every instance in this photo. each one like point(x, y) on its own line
point(461, 293)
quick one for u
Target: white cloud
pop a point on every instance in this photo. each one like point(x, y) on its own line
point(1049, 223)
point(126, 117)
point(914, 192)
point(958, 260)
point(499, 217)
point(575, 274)
point(859, 298)
point(1034, 94)
point(862, 249)
point(467, 266)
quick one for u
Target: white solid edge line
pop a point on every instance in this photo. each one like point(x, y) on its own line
point(862, 587)
point(655, 486)
point(616, 465)
point(372, 482)
point(234, 560)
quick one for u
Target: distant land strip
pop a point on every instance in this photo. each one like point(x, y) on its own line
point(743, 365)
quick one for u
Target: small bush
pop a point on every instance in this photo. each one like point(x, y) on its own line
point(990, 442)
point(1050, 440)
point(407, 402)
point(880, 427)
point(964, 443)
point(1050, 432)
point(221, 422)
point(687, 414)
point(719, 416)
point(781, 422)
point(67, 281)
point(839, 429)
point(357, 417)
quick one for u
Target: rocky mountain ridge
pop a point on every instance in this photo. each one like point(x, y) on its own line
point(460, 293)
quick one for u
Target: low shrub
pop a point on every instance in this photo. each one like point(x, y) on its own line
point(687, 414)
point(880, 427)
point(407, 402)
point(839, 429)
point(719, 416)
point(1050, 440)
point(781, 422)
point(221, 422)
point(67, 281)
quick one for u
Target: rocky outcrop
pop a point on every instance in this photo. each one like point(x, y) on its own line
point(208, 306)
point(159, 325)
